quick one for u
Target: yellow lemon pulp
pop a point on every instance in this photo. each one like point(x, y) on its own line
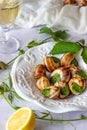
point(22, 119)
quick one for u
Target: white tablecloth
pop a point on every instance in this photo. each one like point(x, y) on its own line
point(26, 35)
point(53, 14)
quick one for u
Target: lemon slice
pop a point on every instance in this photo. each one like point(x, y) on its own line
point(22, 119)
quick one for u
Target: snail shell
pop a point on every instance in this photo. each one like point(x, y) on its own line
point(63, 87)
point(73, 70)
point(43, 83)
point(82, 3)
point(63, 72)
point(50, 64)
point(54, 92)
point(39, 71)
point(69, 2)
point(66, 59)
point(78, 80)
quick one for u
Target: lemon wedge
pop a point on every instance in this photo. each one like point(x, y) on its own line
point(22, 119)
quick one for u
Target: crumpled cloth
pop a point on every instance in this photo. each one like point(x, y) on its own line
point(53, 14)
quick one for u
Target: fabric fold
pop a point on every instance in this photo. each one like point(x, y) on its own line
point(53, 14)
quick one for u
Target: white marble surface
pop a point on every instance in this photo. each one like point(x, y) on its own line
point(26, 35)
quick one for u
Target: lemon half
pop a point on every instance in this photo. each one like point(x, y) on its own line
point(22, 119)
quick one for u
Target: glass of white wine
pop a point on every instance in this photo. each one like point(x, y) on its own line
point(8, 12)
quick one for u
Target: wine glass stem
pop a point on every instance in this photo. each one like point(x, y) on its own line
point(4, 36)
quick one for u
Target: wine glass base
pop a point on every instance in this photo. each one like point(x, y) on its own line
point(10, 46)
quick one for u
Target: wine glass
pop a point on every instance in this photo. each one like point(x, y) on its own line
point(8, 12)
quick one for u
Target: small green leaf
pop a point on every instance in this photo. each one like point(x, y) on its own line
point(64, 91)
point(83, 117)
point(77, 88)
point(56, 60)
point(82, 74)
point(84, 55)
point(61, 34)
point(21, 52)
point(34, 43)
point(1, 90)
point(74, 62)
point(46, 92)
point(16, 107)
point(55, 38)
point(46, 30)
point(55, 78)
point(16, 95)
point(10, 81)
point(4, 87)
point(64, 47)
point(10, 97)
point(44, 115)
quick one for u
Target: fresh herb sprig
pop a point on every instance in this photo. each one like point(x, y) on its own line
point(47, 116)
point(8, 93)
point(56, 35)
point(4, 65)
point(64, 46)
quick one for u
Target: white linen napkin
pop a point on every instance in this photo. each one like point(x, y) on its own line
point(53, 14)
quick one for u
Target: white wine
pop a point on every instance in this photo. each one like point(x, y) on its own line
point(9, 10)
point(8, 13)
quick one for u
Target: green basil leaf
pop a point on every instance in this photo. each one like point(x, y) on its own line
point(74, 62)
point(21, 52)
point(46, 92)
point(64, 47)
point(84, 55)
point(77, 88)
point(55, 78)
point(82, 74)
point(46, 30)
point(55, 38)
point(64, 91)
point(61, 34)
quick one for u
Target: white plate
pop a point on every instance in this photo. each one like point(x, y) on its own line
point(25, 84)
